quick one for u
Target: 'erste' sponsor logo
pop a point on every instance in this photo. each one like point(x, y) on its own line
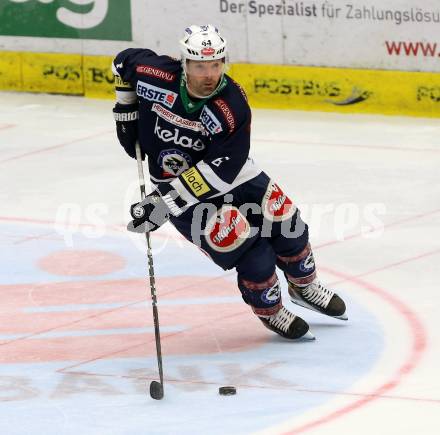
point(210, 121)
point(154, 93)
point(157, 73)
point(195, 182)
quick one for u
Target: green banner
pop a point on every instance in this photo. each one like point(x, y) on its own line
point(79, 19)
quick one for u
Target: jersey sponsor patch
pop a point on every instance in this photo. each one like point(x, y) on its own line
point(178, 120)
point(207, 51)
point(179, 139)
point(154, 93)
point(227, 112)
point(195, 182)
point(120, 84)
point(157, 73)
point(173, 162)
point(276, 205)
point(210, 121)
point(227, 229)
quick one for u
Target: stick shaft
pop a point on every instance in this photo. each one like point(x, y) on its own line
point(150, 270)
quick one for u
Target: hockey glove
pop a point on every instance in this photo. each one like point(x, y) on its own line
point(126, 117)
point(155, 210)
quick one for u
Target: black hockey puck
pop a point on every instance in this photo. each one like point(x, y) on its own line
point(227, 391)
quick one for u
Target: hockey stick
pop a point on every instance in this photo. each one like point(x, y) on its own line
point(156, 388)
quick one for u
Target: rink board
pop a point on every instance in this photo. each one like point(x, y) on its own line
point(340, 90)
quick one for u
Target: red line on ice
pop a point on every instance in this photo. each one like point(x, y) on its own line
point(418, 346)
point(6, 126)
point(386, 226)
point(53, 147)
point(338, 145)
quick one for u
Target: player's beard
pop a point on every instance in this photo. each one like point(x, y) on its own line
point(208, 87)
point(202, 89)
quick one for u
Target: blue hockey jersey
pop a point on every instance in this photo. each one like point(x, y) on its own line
point(201, 147)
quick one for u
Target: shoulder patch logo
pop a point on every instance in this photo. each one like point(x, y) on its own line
point(157, 73)
point(227, 112)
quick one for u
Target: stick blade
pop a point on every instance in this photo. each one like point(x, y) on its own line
point(156, 390)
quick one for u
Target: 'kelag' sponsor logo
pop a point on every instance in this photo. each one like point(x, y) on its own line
point(94, 19)
point(153, 93)
point(177, 138)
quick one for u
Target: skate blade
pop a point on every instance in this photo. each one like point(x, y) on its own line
point(303, 304)
point(308, 336)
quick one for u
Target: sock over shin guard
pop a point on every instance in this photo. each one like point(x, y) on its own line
point(299, 268)
point(264, 297)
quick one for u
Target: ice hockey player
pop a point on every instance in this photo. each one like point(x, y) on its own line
point(193, 123)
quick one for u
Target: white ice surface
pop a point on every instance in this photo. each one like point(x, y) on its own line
point(369, 187)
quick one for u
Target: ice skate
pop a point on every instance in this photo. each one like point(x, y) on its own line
point(317, 297)
point(286, 324)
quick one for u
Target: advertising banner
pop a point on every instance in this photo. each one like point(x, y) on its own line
point(78, 19)
point(363, 56)
point(373, 34)
point(340, 90)
point(369, 34)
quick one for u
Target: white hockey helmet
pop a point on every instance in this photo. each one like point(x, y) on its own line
point(202, 43)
